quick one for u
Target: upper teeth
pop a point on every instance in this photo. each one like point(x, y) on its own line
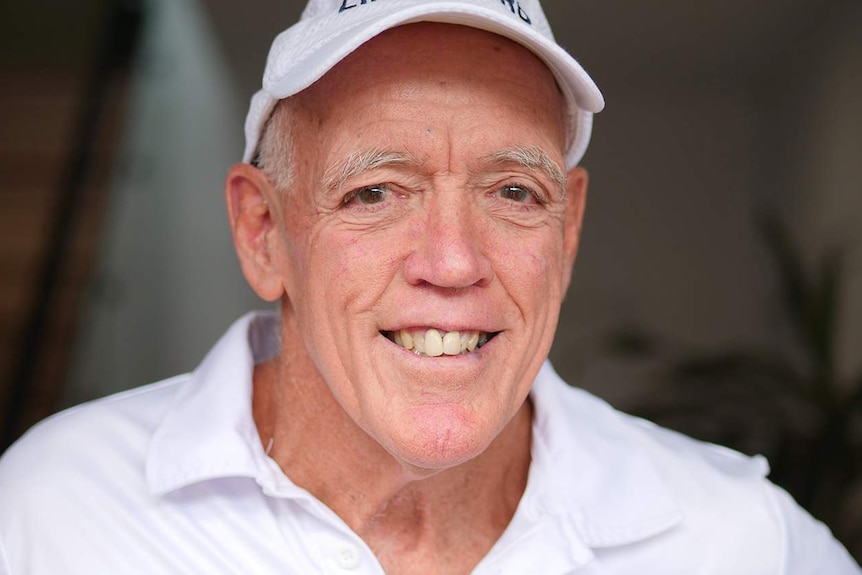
point(434, 343)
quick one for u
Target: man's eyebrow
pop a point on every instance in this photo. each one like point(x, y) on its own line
point(360, 161)
point(532, 158)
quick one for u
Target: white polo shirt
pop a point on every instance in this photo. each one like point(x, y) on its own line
point(172, 478)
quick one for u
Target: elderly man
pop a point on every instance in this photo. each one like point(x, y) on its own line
point(411, 198)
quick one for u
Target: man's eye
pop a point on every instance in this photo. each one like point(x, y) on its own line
point(516, 194)
point(368, 195)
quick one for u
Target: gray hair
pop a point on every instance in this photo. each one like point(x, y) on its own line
point(274, 156)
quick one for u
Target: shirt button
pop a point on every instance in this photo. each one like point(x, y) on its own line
point(347, 557)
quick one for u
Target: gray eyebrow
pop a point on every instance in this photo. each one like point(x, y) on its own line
point(360, 161)
point(532, 158)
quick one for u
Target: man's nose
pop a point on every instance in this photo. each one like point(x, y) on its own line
point(449, 248)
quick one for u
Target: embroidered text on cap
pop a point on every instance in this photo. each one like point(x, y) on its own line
point(514, 6)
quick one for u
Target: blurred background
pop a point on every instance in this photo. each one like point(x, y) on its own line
point(718, 289)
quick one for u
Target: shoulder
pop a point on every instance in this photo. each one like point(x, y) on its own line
point(718, 484)
point(683, 460)
point(74, 471)
point(677, 457)
point(725, 500)
point(125, 416)
point(707, 482)
point(82, 443)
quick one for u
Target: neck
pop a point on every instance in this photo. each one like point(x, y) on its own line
point(403, 513)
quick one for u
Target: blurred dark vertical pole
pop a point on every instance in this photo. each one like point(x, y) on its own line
point(113, 58)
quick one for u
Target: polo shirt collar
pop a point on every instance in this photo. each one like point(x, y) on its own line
point(589, 466)
point(588, 469)
point(209, 431)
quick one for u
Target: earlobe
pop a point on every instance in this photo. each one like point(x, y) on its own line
point(252, 224)
point(576, 200)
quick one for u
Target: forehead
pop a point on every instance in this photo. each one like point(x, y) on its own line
point(431, 68)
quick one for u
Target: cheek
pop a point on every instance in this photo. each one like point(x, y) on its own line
point(543, 285)
point(532, 261)
point(357, 269)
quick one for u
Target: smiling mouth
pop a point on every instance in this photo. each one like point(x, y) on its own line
point(434, 342)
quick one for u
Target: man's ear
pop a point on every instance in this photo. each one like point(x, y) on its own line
point(253, 224)
point(576, 201)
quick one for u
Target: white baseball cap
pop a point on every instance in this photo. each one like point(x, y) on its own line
point(329, 30)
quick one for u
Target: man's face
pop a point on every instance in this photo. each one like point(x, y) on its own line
point(428, 205)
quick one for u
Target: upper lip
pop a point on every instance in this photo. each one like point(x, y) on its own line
point(452, 315)
point(451, 321)
point(440, 326)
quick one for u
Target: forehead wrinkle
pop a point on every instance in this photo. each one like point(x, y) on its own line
point(532, 158)
point(360, 161)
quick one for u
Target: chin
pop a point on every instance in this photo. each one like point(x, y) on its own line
point(438, 437)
